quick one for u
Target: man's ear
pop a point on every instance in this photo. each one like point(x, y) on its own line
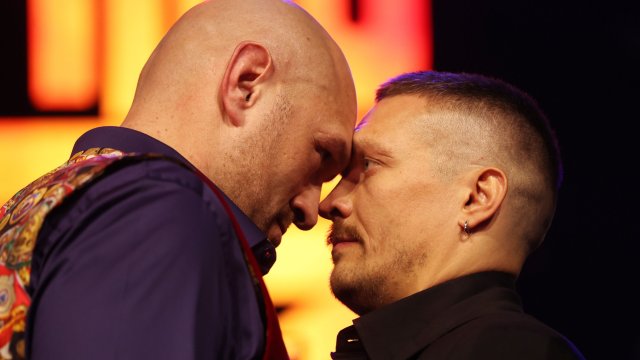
point(487, 193)
point(249, 66)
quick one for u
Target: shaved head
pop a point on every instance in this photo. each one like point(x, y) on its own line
point(191, 58)
point(245, 89)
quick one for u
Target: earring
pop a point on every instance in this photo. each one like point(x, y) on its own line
point(466, 227)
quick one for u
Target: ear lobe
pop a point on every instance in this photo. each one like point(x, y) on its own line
point(488, 194)
point(249, 66)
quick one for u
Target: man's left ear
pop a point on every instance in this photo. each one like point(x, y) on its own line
point(486, 195)
point(249, 67)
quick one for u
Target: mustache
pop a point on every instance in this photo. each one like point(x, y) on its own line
point(339, 232)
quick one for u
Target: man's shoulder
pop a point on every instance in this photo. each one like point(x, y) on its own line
point(507, 335)
point(147, 189)
point(131, 170)
point(151, 178)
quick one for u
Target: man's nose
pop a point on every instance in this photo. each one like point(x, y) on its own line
point(305, 207)
point(337, 204)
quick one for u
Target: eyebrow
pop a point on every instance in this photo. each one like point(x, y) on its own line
point(372, 146)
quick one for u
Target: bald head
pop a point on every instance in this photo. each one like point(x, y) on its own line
point(191, 58)
point(178, 92)
point(243, 87)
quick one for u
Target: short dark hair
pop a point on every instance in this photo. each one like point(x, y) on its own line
point(488, 90)
point(522, 136)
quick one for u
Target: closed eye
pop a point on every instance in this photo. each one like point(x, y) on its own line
point(328, 165)
point(326, 155)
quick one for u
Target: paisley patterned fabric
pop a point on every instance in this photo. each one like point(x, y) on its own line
point(20, 221)
point(22, 217)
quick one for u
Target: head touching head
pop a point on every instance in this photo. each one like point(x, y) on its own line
point(450, 174)
point(490, 122)
point(258, 96)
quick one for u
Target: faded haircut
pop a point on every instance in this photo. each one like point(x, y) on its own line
point(515, 122)
point(476, 88)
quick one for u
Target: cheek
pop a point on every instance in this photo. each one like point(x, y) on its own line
point(380, 215)
point(385, 200)
point(296, 171)
point(399, 212)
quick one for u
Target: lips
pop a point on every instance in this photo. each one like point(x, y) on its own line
point(341, 246)
point(275, 241)
point(341, 233)
point(283, 227)
point(334, 240)
point(275, 235)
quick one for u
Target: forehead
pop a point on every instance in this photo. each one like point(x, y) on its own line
point(330, 93)
point(396, 119)
point(328, 112)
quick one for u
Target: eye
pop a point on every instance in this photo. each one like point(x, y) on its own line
point(366, 163)
point(323, 151)
point(329, 168)
point(325, 155)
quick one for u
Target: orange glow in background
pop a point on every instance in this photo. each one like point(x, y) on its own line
point(82, 53)
point(62, 47)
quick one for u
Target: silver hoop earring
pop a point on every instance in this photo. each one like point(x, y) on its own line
point(466, 227)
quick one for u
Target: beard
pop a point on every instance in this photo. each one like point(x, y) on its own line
point(247, 179)
point(369, 277)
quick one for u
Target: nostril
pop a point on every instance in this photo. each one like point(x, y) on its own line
point(334, 213)
point(298, 216)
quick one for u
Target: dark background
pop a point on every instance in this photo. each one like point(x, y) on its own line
point(580, 61)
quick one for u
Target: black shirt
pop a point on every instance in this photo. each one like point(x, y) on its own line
point(478, 316)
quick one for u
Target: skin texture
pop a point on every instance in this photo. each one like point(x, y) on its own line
point(399, 211)
point(257, 96)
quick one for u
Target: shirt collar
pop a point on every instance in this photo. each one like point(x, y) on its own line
point(125, 140)
point(262, 248)
point(403, 328)
point(129, 140)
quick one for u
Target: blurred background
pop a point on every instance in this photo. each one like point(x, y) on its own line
point(70, 65)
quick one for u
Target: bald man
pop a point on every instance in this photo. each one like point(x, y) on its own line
point(452, 184)
point(151, 241)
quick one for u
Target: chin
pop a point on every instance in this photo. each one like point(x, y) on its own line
point(274, 232)
point(353, 293)
point(352, 300)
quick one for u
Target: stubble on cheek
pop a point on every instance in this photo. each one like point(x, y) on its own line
point(357, 280)
point(378, 274)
